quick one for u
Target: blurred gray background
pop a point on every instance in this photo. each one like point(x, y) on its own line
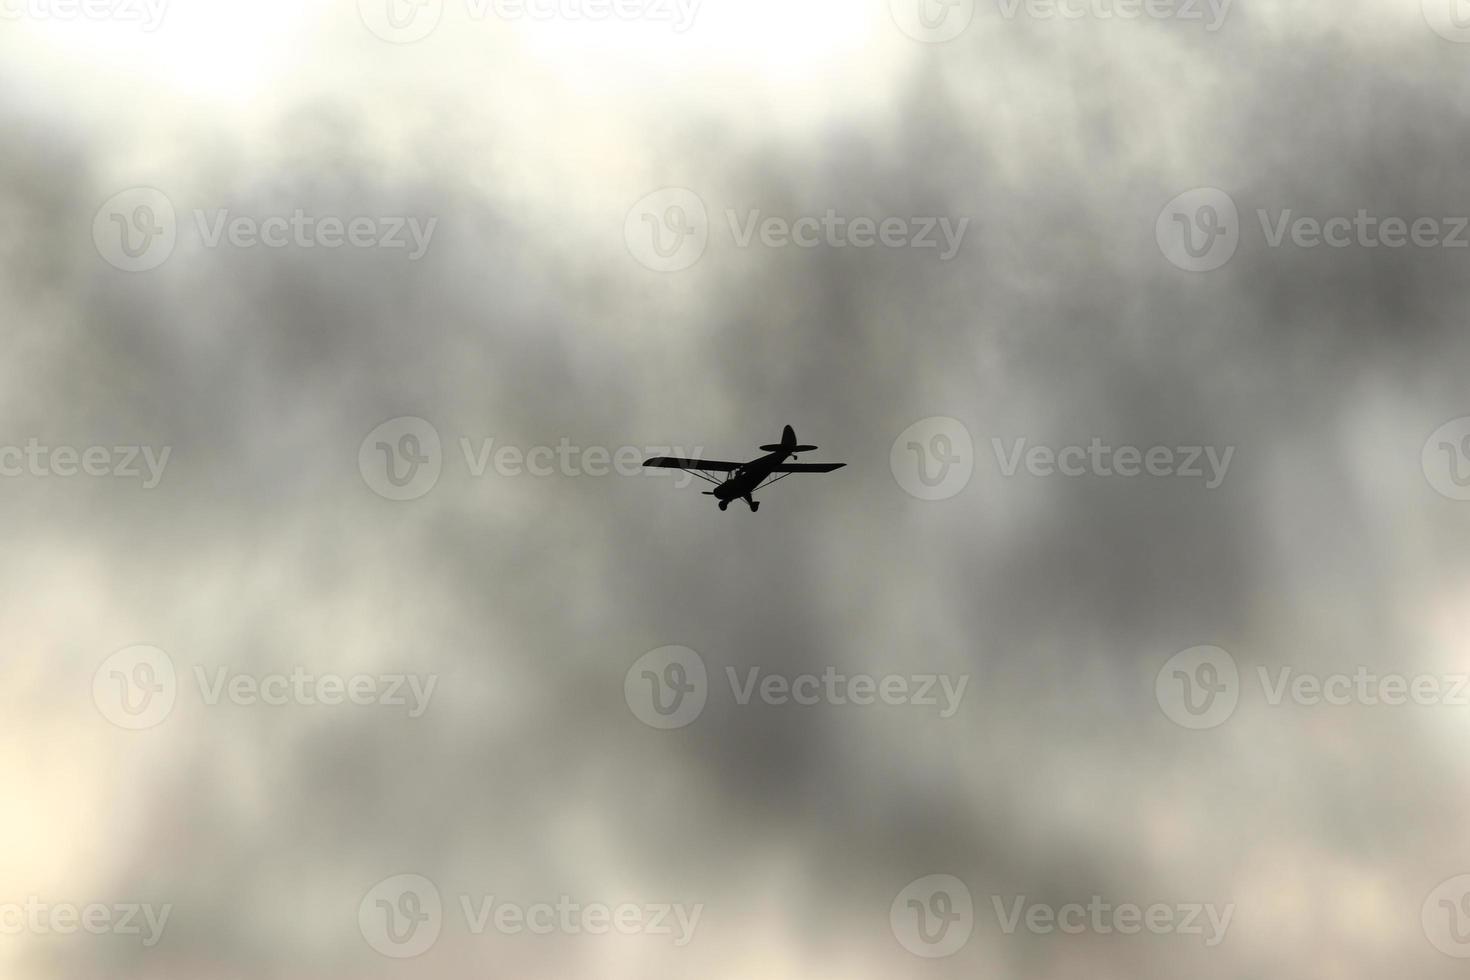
point(534, 317)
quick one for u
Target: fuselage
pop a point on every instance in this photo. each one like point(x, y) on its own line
point(744, 480)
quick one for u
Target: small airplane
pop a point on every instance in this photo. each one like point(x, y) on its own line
point(744, 479)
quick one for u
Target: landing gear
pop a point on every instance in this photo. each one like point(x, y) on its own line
point(755, 505)
point(724, 505)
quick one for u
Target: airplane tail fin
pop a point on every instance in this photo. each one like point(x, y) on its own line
point(788, 443)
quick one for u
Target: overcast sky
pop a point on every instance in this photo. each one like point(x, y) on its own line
point(344, 639)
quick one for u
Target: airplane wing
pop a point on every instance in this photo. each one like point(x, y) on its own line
point(807, 467)
point(679, 463)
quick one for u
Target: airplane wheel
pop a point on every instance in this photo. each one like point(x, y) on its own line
point(724, 504)
point(755, 506)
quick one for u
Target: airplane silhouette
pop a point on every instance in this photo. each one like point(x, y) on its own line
point(745, 479)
